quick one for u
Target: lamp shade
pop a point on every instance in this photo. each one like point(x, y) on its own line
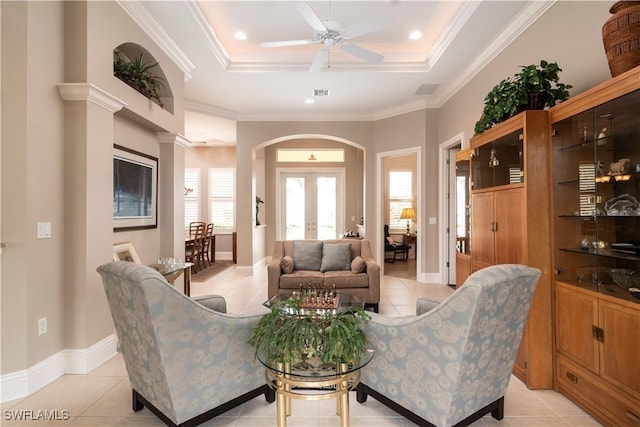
point(408, 213)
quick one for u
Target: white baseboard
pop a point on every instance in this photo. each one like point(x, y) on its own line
point(224, 256)
point(430, 278)
point(252, 269)
point(84, 361)
point(16, 385)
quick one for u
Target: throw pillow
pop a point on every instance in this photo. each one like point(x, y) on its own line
point(358, 265)
point(286, 263)
point(307, 254)
point(336, 256)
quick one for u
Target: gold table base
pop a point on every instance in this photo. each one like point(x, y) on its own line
point(337, 386)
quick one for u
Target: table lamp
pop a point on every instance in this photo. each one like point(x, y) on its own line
point(408, 214)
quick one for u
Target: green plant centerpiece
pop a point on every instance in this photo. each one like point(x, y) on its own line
point(535, 87)
point(291, 334)
point(138, 74)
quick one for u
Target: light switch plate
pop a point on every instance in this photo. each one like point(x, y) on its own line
point(44, 230)
point(432, 220)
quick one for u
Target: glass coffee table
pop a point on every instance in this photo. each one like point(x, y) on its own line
point(312, 379)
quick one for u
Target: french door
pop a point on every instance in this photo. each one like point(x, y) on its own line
point(311, 204)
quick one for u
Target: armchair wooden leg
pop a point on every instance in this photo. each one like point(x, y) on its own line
point(361, 394)
point(137, 404)
point(498, 412)
point(270, 395)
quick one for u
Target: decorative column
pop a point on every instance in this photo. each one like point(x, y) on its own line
point(171, 195)
point(88, 224)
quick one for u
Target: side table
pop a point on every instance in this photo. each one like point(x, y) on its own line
point(172, 272)
point(411, 239)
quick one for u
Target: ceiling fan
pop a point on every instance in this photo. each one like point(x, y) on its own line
point(331, 33)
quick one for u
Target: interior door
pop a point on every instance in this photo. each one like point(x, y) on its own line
point(312, 205)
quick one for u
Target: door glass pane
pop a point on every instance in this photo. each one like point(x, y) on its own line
point(295, 212)
point(327, 227)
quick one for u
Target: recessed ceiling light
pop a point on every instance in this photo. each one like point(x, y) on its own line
point(415, 35)
point(240, 35)
point(309, 101)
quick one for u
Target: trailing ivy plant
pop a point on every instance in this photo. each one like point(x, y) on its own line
point(535, 87)
point(138, 74)
point(287, 337)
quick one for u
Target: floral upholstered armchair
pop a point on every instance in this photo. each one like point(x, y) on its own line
point(186, 362)
point(451, 365)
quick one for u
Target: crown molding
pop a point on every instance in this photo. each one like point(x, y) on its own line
point(516, 27)
point(214, 43)
point(150, 26)
point(91, 93)
point(201, 107)
point(173, 138)
point(450, 32)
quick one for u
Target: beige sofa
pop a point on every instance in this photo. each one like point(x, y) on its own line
point(346, 263)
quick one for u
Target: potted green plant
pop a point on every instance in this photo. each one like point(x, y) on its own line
point(535, 87)
point(285, 336)
point(138, 74)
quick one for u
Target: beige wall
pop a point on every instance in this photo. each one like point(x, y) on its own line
point(56, 277)
point(32, 176)
point(252, 137)
point(569, 33)
point(57, 167)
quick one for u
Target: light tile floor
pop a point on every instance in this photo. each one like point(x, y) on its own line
point(103, 397)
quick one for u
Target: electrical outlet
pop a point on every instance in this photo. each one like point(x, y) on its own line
point(42, 326)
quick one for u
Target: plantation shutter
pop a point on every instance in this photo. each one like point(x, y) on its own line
point(221, 193)
point(191, 198)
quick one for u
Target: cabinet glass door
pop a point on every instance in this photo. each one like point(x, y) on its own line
point(499, 162)
point(596, 165)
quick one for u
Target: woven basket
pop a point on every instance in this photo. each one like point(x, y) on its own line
point(621, 37)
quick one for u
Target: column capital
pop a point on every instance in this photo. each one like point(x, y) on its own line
point(91, 93)
point(173, 138)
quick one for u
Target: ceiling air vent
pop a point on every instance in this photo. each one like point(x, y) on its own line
point(427, 89)
point(321, 92)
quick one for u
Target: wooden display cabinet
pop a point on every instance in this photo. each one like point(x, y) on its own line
point(596, 241)
point(510, 223)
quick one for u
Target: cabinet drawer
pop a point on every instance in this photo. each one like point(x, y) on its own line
point(596, 397)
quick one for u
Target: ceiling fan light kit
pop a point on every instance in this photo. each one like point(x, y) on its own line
point(330, 34)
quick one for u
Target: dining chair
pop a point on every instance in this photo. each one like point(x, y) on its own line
point(193, 226)
point(206, 249)
point(193, 249)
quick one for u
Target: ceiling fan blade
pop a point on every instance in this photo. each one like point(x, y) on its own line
point(288, 43)
point(366, 27)
point(319, 60)
point(310, 16)
point(360, 52)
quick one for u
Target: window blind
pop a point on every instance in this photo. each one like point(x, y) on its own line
point(191, 198)
point(221, 194)
point(400, 196)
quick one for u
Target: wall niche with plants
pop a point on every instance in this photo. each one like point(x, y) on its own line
point(136, 67)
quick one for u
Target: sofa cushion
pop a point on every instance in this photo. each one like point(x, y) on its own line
point(287, 265)
point(301, 277)
point(358, 265)
point(307, 254)
point(346, 279)
point(336, 256)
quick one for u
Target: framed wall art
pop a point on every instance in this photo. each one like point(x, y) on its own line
point(135, 190)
